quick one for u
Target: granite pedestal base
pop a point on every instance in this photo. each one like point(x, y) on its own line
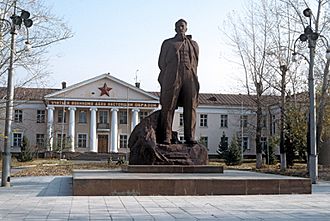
point(104, 183)
point(172, 169)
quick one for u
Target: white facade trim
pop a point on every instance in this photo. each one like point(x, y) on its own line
point(93, 127)
point(108, 76)
point(102, 100)
point(114, 131)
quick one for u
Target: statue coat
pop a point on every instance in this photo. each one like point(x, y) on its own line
point(168, 62)
point(179, 86)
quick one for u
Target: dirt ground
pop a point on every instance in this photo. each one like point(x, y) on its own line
point(55, 167)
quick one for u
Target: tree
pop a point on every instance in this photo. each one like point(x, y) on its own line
point(286, 78)
point(47, 30)
point(26, 153)
point(296, 130)
point(321, 22)
point(264, 39)
point(223, 146)
point(232, 155)
point(270, 151)
point(249, 38)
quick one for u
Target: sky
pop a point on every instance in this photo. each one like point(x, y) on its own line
point(123, 38)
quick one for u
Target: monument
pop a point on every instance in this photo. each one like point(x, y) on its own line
point(153, 142)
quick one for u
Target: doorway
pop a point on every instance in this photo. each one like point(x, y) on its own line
point(102, 143)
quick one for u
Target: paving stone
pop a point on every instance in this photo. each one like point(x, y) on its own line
point(43, 198)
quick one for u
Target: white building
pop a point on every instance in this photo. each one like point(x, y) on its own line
point(98, 115)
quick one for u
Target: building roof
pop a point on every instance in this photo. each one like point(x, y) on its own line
point(232, 99)
point(225, 99)
point(204, 98)
point(22, 93)
point(83, 86)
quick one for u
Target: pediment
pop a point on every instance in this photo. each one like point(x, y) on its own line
point(104, 87)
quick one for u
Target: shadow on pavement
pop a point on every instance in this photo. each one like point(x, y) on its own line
point(59, 186)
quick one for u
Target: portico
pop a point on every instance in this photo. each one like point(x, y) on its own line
point(100, 122)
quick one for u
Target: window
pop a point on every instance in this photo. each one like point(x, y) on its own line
point(245, 143)
point(264, 121)
point(224, 121)
point(103, 117)
point(123, 141)
point(60, 141)
point(40, 140)
point(17, 139)
point(204, 141)
point(82, 140)
point(40, 116)
point(181, 120)
point(263, 141)
point(82, 117)
point(122, 117)
point(181, 138)
point(143, 114)
point(18, 118)
point(203, 120)
point(244, 121)
point(273, 124)
point(61, 116)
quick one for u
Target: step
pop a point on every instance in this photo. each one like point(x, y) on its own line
point(117, 182)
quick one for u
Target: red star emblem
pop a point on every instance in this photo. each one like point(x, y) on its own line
point(105, 90)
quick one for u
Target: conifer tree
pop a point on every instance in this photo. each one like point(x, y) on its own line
point(223, 146)
point(233, 155)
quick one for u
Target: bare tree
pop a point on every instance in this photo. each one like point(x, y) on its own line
point(47, 30)
point(248, 35)
point(264, 38)
point(321, 23)
point(285, 79)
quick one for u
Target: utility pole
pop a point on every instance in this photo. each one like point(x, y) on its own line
point(6, 161)
point(16, 22)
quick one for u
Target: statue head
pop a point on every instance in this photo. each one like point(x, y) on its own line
point(181, 26)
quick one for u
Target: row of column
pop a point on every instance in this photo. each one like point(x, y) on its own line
point(93, 128)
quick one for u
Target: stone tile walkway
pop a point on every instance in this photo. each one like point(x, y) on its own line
point(49, 198)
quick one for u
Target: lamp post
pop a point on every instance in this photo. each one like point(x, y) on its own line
point(15, 24)
point(310, 36)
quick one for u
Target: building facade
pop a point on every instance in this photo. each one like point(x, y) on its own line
point(98, 115)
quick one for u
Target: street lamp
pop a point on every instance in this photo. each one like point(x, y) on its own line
point(310, 36)
point(15, 24)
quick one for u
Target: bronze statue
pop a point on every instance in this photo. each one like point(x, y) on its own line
point(178, 61)
point(152, 142)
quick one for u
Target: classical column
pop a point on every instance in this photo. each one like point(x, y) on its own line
point(135, 118)
point(50, 122)
point(93, 138)
point(114, 131)
point(72, 122)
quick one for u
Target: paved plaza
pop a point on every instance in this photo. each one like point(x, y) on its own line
point(50, 198)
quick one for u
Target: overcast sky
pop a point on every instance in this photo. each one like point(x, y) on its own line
point(123, 37)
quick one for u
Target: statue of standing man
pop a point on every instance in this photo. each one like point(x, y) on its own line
point(178, 61)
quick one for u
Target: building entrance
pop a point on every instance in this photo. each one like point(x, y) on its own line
point(103, 143)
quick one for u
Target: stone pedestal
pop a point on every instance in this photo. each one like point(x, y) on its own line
point(172, 169)
point(324, 154)
point(117, 183)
